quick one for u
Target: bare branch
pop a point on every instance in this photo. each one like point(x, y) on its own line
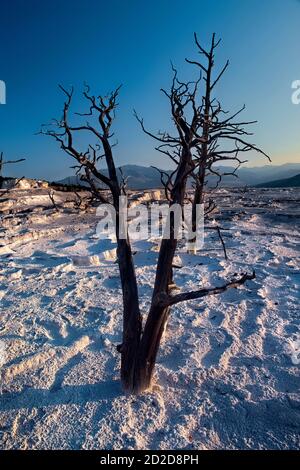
point(183, 297)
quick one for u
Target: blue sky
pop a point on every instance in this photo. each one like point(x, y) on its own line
point(132, 42)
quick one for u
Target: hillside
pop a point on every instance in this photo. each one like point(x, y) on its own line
point(293, 182)
point(141, 177)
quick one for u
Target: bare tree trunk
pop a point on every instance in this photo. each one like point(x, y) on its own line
point(159, 312)
point(139, 353)
point(132, 321)
point(198, 198)
point(157, 318)
point(152, 335)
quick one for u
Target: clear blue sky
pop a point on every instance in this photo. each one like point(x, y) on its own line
point(43, 43)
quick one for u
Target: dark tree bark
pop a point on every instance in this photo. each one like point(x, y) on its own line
point(132, 322)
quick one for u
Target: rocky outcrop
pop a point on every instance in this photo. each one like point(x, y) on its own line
point(23, 183)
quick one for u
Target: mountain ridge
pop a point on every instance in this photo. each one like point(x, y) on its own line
point(293, 182)
point(143, 177)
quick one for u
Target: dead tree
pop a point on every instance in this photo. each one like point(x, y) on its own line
point(52, 199)
point(105, 108)
point(7, 162)
point(218, 128)
point(140, 343)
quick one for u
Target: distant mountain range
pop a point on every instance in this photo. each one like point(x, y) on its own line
point(141, 177)
point(293, 182)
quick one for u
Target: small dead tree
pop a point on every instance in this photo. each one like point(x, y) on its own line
point(218, 128)
point(140, 343)
point(7, 162)
point(52, 199)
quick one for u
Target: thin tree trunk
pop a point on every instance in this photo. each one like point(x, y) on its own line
point(198, 199)
point(199, 196)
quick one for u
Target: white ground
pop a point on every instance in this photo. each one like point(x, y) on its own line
point(225, 377)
